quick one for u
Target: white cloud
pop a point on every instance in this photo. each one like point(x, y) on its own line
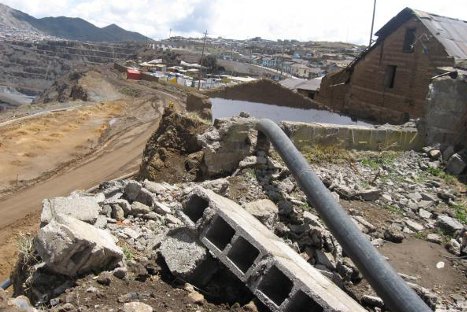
point(332, 20)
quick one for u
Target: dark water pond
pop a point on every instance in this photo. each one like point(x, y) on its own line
point(227, 108)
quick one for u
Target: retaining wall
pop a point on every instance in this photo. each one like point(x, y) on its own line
point(377, 138)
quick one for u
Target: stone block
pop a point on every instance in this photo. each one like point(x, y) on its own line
point(79, 206)
point(72, 247)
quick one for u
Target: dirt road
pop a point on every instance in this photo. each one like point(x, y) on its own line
point(120, 156)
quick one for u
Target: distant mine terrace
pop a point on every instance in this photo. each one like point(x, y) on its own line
point(33, 66)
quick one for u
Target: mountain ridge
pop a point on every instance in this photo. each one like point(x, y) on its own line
point(70, 28)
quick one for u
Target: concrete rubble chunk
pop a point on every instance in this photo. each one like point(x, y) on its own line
point(161, 208)
point(271, 269)
point(450, 225)
point(72, 247)
point(132, 190)
point(146, 197)
point(264, 210)
point(372, 301)
point(82, 207)
point(414, 226)
point(226, 144)
point(122, 203)
point(139, 208)
point(434, 238)
point(20, 303)
point(424, 213)
point(219, 186)
point(455, 165)
point(186, 257)
point(154, 187)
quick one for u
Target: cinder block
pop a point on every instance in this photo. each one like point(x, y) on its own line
point(273, 271)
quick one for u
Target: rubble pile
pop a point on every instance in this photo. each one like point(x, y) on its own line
point(130, 230)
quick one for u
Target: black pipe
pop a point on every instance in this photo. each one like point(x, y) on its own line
point(396, 294)
point(5, 284)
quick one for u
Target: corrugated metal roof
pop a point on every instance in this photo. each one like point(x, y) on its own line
point(451, 32)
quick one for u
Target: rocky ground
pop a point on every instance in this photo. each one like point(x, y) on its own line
point(404, 202)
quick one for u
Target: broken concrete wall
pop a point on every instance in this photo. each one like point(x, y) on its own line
point(264, 91)
point(354, 137)
point(446, 111)
point(225, 144)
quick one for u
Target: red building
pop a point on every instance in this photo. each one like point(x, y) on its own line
point(133, 74)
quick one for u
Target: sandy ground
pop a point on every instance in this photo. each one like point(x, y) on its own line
point(58, 152)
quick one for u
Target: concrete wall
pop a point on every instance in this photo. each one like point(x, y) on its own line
point(369, 97)
point(353, 137)
point(446, 111)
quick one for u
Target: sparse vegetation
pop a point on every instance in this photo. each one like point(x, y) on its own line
point(127, 253)
point(421, 235)
point(438, 172)
point(393, 209)
point(130, 91)
point(25, 244)
point(327, 154)
point(460, 212)
point(381, 159)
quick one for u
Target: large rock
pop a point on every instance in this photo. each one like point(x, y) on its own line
point(72, 247)
point(80, 206)
point(186, 257)
point(455, 165)
point(449, 224)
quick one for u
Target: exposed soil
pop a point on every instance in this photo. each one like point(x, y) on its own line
point(414, 257)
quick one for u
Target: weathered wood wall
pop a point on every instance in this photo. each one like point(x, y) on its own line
point(366, 94)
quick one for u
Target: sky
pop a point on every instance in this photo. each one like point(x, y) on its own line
point(328, 20)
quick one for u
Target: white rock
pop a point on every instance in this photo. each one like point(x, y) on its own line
point(69, 246)
point(79, 206)
point(137, 307)
point(414, 226)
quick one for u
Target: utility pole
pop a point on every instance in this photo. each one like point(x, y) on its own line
point(170, 33)
point(372, 24)
point(201, 60)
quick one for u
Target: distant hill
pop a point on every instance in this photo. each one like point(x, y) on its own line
point(66, 27)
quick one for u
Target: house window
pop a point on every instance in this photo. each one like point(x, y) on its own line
point(390, 76)
point(409, 40)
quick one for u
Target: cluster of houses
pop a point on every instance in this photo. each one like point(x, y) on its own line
point(185, 74)
point(304, 64)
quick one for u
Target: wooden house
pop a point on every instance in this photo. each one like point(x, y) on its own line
point(389, 81)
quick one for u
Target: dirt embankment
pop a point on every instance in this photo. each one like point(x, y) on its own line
point(172, 154)
point(264, 91)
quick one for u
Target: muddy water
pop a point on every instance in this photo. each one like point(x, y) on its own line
point(227, 108)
